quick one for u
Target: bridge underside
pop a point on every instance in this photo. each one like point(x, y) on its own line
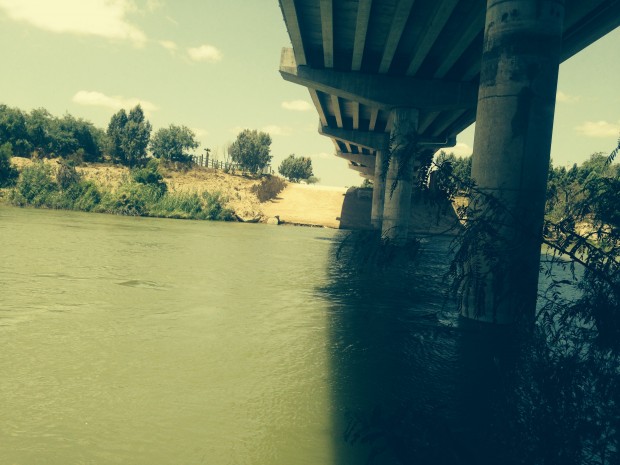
point(394, 80)
point(360, 59)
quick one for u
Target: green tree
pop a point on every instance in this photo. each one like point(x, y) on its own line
point(8, 173)
point(296, 169)
point(251, 150)
point(38, 125)
point(128, 136)
point(172, 143)
point(115, 135)
point(454, 173)
point(13, 130)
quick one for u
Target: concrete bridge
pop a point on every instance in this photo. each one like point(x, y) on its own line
point(395, 80)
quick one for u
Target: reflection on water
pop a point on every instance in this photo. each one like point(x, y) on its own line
point(150, 341)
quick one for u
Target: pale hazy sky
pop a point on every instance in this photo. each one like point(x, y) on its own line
point(212, 65)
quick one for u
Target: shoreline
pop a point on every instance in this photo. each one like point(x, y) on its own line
point(296, 205)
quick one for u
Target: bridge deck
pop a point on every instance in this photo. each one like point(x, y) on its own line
point(385, 49)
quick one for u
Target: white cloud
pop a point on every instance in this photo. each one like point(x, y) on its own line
point(297, 105)
point(200, 132)
point(168, 45)
point(272, 130)
point(322, 155)
point(599, 129)
point(205, 53)
point(565, 98)
point(461, 149)
point(275, 130)
point(98, 99)
point(153, 5)
point(104, 18)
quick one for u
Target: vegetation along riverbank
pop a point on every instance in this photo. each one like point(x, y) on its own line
point(68, 163)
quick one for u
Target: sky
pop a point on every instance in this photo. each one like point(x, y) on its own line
point(212, 65)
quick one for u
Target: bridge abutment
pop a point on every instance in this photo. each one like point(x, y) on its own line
point(512, 143)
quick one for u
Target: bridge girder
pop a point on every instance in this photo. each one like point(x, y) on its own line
point(382, 91)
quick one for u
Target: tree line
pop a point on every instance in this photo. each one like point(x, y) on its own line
point(127, 141)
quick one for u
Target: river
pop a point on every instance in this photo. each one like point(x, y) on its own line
point(153, 341)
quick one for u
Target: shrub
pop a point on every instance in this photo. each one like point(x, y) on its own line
point(67, 175)
point(214, 207)
point(269, 188)
point(150, 176)
point(8, 173)
point(84, 195)
point(131, 199)
point(179, 205)
point(35, 186)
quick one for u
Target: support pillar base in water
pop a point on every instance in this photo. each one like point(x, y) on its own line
point(514, 121)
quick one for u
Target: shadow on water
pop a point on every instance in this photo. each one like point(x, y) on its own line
point(413, 383)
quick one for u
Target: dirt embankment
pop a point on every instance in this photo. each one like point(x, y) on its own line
point(297, 204)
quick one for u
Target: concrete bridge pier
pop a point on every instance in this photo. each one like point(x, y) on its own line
point(514, 121)
point(378, 190)
point(399, 176)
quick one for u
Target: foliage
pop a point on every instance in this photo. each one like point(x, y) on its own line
point(213, 207)
point(453, 174)
point(172, 143)
point(144, 194)
point(251, 150)
point(151, 176)
point(13, 130)
point(566, 374)
point(49, 136)
point(296, 169)
point(67, 175)
point(128, 136)
point(268, 188)
point(367, 184)
point(8, 173)
point(35, 186)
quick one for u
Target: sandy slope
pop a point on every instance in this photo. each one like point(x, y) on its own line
point(304, 204)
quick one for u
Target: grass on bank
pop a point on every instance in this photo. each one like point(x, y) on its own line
point(143, 193)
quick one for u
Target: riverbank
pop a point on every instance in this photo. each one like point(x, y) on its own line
point(296, 204)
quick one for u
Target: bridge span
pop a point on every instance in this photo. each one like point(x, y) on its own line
point(395, 80)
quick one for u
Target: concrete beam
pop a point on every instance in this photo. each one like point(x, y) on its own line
point(374, 114)
point(365, 139)
point(437, 141)
point(384, 92)
point(475, 24)
point(361, 27)
point(433, 28)
point(399, 21)
point(367, 172)
point(359, 158)
point(327, 29)
point(318, 105)
point(292, 24)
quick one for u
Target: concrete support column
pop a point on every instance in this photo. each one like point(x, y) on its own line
point(399, 177)
point(514, 121)
point(378, 191)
